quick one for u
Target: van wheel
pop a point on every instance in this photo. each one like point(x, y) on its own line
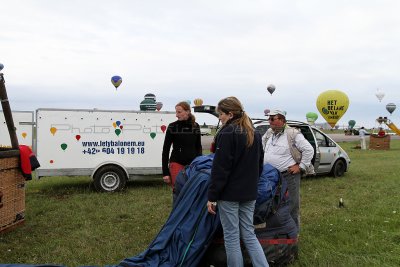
point(109, 179)
point(339, 168)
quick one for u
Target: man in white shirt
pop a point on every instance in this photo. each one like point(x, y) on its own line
point(362, 132)
point(277, 152)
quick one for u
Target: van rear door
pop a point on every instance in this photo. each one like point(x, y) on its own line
point(308, 134)
point(327, 149)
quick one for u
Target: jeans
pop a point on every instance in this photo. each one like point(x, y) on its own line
point(293, 184)
point(237, 222)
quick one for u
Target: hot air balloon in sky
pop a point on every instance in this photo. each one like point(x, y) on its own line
point(266, 111)
point(390, 107)
point(311, 117)
point(351, 124)
point(1, 66)
point(379, 94)
point(159, 105)
point(332, 105)
point(271, 88)
point(116, 81)
point(198, 102)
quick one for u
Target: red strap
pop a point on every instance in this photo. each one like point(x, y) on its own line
point(277, 241)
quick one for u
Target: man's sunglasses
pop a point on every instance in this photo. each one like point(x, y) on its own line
point(272, 118)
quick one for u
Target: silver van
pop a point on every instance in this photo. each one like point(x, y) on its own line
point(329, 157)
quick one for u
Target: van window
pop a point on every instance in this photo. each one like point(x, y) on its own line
point(306, 131)
point(322, 140)
point(262, 129)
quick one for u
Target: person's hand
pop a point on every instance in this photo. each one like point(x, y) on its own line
point(294, 169)
point(167, 179)
point(212, 207)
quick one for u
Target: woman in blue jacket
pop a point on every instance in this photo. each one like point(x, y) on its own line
point(237, 166)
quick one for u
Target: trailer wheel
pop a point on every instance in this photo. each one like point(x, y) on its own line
point(109, 178)
point(338, 168)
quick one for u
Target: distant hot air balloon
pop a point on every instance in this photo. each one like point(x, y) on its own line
point(351, 124)
point(116, 81)
point(311, 117)
point(159, 105)
point(271, 88)
point(390, 107)
point(266, 111)
point(198, 102)
point(332, 105)
point(1, 66)
point(379, 94)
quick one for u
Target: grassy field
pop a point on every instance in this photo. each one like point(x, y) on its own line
point(68, 223)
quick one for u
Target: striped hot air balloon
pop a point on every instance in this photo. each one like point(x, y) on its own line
point(390, 107)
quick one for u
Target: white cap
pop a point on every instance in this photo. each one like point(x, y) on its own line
point(276, 112)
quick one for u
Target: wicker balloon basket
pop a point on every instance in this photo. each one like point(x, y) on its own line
point(12, 190)
point(12, 182)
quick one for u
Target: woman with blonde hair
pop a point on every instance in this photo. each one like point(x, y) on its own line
point(184, 136)
point(237, 166)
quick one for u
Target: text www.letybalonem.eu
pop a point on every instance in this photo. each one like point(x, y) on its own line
point(113, 147)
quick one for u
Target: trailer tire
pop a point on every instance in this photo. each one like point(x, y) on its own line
point(338, 168)
point(109, 178)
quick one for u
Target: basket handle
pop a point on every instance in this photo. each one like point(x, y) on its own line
point(7, 113)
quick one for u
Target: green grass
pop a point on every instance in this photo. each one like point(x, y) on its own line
point(68, 223)
point(364, 233)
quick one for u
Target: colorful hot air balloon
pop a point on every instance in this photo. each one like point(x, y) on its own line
point(159, 105)
point(271, 88)
point(311, 117)
point(116, 81)
point(332, 105)
point(198, 102)
point(351, 124)
point(379, 94)
point(390, 107)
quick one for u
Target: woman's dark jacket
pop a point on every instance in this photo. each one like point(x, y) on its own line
point(236, 168)
point(186, 140)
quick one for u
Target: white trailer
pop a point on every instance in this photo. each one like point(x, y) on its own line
point(111, 146)
point(23, 122)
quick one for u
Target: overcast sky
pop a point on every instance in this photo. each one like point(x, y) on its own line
point(62, 54)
